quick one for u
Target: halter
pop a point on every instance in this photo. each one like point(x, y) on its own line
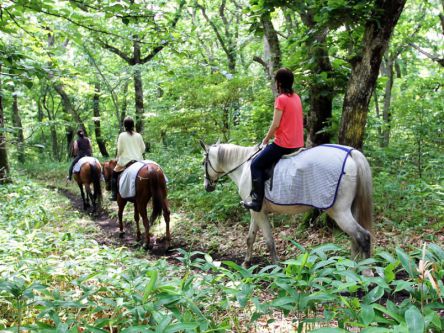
point(207, 163)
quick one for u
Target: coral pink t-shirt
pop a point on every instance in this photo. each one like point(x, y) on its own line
point(290, 133)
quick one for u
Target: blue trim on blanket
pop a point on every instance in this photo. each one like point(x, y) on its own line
point(348, 150)
point(344, 148)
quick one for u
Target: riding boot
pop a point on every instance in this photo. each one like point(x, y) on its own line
point(257, 195)
point(113, 188)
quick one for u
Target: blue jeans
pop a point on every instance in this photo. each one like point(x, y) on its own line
point(266, 158)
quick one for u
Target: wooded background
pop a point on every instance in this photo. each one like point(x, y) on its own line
point(369, 73)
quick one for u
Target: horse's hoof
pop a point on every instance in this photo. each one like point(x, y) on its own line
point(146, 247)
point(246, 264)
point(121, 234)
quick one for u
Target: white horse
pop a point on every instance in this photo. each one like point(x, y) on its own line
point(352, 209)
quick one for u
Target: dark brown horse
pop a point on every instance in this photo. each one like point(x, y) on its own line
point(90, 173)
point(150, 183)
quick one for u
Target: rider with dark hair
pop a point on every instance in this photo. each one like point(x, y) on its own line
point(288, 132)
point(82, 147)
point(130, 147)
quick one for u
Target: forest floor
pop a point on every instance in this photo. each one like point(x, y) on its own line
point(227, 241)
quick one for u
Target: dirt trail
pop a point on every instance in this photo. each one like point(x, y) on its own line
point(106, 219)
point(227, 240)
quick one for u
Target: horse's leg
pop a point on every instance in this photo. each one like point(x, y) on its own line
point(361, 238)
point(137, 220)
point(146, 223)
point(82, 193)
point(121, 203)
point(166, 217)
point(262, 222)
point(92, 196)
point(252, 232)
point(88, 194)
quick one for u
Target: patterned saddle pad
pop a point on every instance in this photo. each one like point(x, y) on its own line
point(83, 160)
point(310, 178)
point(127, 180)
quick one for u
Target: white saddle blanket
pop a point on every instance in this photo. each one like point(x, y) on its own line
point(310, 178)
point(127, 180)
point(83, 160)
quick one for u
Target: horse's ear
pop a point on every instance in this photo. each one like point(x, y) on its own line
point(204, 146)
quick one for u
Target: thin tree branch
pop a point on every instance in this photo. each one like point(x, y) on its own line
point(113, 94)
point(428, 55)
point(213, 26)
point(115, 50)
point(159, 47)
point(261, 61)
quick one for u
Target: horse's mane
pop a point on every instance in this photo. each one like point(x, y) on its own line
point(229, 153)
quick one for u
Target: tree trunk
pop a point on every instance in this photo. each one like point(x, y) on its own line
point(54, 143)
point(97, 128)
point(272, 50)
point(365, 70)
point(69, 108)
point(52, 128)
point(124, 105)
point(226, 123)
point(69, 140)
point(321, 92)
point(4, 165)
point(138, 88)
point(378, 116)
point(40, 116)
point(386, 113)
point(18, 127)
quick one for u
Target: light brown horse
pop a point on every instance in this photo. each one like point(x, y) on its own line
point(90, 173)
point(150, 183)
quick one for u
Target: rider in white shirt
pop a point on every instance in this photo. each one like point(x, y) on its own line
point(130, 147)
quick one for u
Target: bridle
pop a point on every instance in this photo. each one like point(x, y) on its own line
point(207, 163)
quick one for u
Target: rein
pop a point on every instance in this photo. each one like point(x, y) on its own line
point(208, 163)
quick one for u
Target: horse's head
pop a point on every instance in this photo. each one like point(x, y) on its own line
point(210, 165)
point(107, 170)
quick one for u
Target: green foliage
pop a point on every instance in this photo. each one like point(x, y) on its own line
point(52, 277)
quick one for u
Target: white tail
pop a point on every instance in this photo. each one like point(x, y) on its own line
point(362, 207)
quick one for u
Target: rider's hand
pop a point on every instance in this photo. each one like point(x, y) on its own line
point(265, 141)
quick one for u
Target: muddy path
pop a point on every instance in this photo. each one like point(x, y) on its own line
point(106, 218)
point(227, 240)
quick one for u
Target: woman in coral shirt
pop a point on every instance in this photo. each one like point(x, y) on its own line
point(287, 129)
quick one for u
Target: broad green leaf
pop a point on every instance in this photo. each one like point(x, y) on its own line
point(376, 330)
point(407, 262)
point(329, 330)
point(181, 327)
point(438, 251)
point(374, 295)
point(415, 320)
point(367, 314)
point(388, 312)
point(150, 285)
